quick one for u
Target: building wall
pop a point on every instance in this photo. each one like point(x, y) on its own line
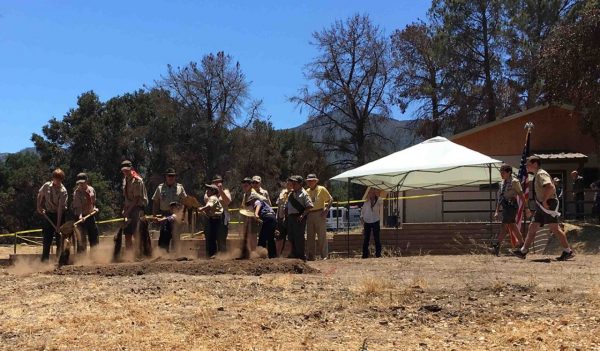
point(555, 129)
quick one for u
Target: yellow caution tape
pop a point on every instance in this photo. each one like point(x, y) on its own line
point(114, 220)
point(390, 198)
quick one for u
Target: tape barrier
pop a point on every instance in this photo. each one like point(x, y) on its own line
point(114, 220)
point(388, 199)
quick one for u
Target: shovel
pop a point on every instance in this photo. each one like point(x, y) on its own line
point(61, 236)
point(119, 241)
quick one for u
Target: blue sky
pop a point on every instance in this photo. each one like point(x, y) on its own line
point(52, 51)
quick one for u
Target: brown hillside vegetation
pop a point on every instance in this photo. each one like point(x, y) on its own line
point(417, 303)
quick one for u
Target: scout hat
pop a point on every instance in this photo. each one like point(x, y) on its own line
point(217, 178)
point(312, 176)
point(247, 180)
point(296, 178)
point(256, 179)
point(211, 187)
point(81, 178)
point(126, 165)
point(170, 171)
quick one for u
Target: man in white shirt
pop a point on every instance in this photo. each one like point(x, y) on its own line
point(369, 216)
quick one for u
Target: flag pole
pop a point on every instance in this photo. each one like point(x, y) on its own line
point(528, 126)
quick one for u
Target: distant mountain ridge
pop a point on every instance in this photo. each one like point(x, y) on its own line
point(400, 133)
point(4, 155)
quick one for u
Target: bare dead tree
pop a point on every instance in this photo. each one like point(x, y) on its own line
point(350, 76)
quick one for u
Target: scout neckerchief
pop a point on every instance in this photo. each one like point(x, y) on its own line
point(553, 213)
point(295, 203)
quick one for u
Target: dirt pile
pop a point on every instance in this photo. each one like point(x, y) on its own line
point(255, 267)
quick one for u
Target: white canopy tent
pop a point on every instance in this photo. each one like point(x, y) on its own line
point(436, 163)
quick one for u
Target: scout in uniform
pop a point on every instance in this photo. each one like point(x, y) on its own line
point(316, 225)
point(507, 199)
point(52, 202)
point(297, 207)
point(84, 203)
point(135, 202)
point(546, 210)
point(281, 233)
point(225, 199)
point(257, 186)
point(214, 212)
point(251, 225)
point(167, 193)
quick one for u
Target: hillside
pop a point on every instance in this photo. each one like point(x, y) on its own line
point(4, 155)
point(400, 133)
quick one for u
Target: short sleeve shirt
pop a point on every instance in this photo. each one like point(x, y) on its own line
point(264, 193)
point(302, 197)
point(514, 189)
point(83, 201)
point(215, 209)
point(320, 197)
point(53, 196)
point(281, 200)
point(226, 215)
point(134, 192)
point(541, 179)
point(165, 194)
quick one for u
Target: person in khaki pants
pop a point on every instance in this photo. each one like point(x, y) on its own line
point(317, 217)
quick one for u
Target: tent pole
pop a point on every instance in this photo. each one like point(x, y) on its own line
point(348, 218)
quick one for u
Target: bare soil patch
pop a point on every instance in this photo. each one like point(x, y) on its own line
point(187, 266)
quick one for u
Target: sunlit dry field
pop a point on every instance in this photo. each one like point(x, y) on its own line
point(471, 302)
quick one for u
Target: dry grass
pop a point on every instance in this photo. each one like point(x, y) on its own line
point(466, 302)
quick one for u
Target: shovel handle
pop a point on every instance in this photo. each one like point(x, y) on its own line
point(83, 219)
point(52, 223)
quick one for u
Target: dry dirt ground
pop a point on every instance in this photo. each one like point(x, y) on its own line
point(470, 302)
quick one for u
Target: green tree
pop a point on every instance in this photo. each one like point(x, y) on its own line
point(473, 30)
point(422, 77)
point(529, 24)
point(570, 64)
point(21, 176)
point(214, 95)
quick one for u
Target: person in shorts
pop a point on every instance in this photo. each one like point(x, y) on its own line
point(510, 190)
point(546, 210)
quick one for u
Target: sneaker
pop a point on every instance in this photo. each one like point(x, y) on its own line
point(519, 254)
point(566, 256)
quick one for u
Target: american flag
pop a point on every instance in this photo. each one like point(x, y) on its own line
point(523, 179)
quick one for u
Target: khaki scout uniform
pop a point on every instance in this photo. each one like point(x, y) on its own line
point(84, 202)
point(215, 218)
point(53, 198)
point(251, 225)
point(295, 227)
point(224, 227)
point(136, 199)
point(541, 179)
